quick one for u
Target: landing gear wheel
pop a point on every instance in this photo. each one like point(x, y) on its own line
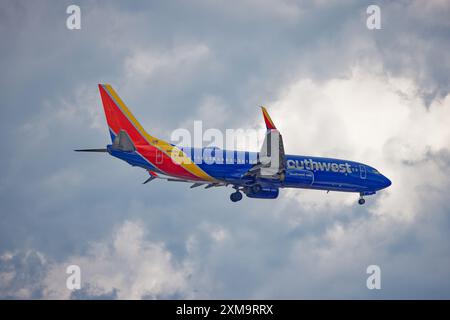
point(361, 201)
point(236, 196)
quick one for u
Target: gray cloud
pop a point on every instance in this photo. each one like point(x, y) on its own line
point(175, 62)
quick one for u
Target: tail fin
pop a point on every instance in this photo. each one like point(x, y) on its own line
point(127, 134)
point(119, 117)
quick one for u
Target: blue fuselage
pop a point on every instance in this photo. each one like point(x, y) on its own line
point(301, 171)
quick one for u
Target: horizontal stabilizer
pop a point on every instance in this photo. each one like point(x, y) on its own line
point(195, 185)
point(149, 179)
point(91, 150)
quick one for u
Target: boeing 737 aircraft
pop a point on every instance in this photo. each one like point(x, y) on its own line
point(257, 174)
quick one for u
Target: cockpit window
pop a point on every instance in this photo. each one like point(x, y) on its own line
point(375, 171)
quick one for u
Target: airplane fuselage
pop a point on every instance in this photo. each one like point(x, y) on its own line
point(257, 174)
point(306, 172)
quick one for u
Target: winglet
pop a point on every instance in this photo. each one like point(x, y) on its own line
point(267, 120)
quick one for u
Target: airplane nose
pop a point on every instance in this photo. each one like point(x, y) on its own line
point(386, 182)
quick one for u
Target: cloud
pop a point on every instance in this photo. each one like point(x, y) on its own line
point(129, 266)
point(20, 273)
point(370, 117)
point(143, 64)
point(333, 88)
point(124, 266)
point(272, 10)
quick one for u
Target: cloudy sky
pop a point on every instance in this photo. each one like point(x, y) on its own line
point(333, 87)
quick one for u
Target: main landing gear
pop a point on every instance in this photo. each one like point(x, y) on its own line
point(236, 196)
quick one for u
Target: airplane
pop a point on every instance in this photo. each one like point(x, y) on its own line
point(256, 174)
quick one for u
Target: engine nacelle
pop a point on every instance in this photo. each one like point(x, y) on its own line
point(262, 192)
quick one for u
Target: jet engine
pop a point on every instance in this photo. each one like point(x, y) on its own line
point(260, 192)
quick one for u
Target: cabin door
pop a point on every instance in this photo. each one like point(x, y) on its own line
point(362, 171)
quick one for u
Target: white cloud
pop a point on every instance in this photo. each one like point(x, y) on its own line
point(271, 10)
point(217, 233)
point(212, 111)
point(373, 118)
point(20, 274)
point(125, 265)
point(145, 64)
point(129, 263)
point(81, 106)
point(222, 58)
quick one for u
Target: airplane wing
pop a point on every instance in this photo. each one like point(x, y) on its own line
point(272, 162)
point(195, 184)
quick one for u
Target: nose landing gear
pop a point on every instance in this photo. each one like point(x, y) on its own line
point(361, 200)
